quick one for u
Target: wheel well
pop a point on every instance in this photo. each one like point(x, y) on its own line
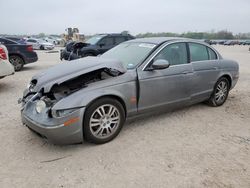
point(18, 56)
point(228, 78)
point(114, 97)
point(108, 96)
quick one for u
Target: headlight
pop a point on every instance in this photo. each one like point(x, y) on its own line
point(40, 106)
point(62, 113)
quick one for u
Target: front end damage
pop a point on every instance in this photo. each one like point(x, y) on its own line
point(60, 126)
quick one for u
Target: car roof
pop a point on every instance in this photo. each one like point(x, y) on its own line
point(156, 40)
point(112, 34)
point(159, 40)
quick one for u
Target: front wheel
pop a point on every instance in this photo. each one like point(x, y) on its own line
point(220, 93)
point(103, 120)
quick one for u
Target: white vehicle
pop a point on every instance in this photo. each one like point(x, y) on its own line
point(39, 44)
point(6, 68)
point(52, 40)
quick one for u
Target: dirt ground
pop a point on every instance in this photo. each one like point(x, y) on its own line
point(198, 146)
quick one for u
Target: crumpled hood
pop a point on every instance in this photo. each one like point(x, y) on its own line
point(68, 70)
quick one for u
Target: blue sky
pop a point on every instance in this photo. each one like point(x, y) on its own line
point(136, 16)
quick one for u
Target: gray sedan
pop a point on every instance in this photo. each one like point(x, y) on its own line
point(90, 98)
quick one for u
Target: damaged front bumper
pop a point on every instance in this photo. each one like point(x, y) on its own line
point(59, 130)
point(66, 55)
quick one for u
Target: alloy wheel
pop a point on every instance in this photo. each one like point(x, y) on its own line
point(221, 92)
point(104, 121)
point(16, 62)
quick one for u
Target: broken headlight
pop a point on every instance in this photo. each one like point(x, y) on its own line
point(31, 85)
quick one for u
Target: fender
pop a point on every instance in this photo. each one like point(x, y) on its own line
point(84, 97)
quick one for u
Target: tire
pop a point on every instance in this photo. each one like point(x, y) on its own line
point(17, 62)
point(98, 127)
point(42, 47)
point(220, 93)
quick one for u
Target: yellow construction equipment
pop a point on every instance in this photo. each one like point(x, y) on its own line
point(72, 34)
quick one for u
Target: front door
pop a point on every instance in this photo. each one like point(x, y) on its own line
point(167, 87)
point(105, 44)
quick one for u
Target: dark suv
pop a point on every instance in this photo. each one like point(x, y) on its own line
point(94, 46)
point(19, 54)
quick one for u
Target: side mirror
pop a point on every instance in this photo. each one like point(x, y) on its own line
point(160, 64)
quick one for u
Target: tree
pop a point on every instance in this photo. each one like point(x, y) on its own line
point(41, 35)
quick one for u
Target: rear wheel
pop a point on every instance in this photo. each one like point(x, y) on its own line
point(17, 62)
point(42, 47)
point(220, 93)
point(103, 120)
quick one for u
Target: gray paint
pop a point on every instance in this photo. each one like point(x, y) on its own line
point(178, 85)
point(66, 71)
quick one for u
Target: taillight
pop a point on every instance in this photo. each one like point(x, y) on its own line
point(3, 54)
point(29, 48)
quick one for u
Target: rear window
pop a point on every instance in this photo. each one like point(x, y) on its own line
point(7, 41)
point(212, 54)
point(198, 52)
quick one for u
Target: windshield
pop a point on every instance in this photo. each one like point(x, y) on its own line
point(93, 40)
point(130, 54)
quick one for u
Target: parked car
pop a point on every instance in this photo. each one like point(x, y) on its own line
point(39, 44)
point(18, 40)
point(19, 54)
point(52, 40)
point(231, 42)
point(6, 68)
point(94, 46)
point(210, 42)
point(90, 98)
point(247, 42)
point(221, 42)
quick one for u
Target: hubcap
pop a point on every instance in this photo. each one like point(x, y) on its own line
point(221, 92)
point(104, 121)
point(16, 62)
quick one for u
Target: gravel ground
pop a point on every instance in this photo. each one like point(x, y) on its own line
point(198, 146)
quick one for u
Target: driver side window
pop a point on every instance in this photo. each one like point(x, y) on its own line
point(107, 41)
point(175, 54)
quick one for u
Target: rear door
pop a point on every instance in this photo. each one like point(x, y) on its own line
point(168, 87)
point(204, 61)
